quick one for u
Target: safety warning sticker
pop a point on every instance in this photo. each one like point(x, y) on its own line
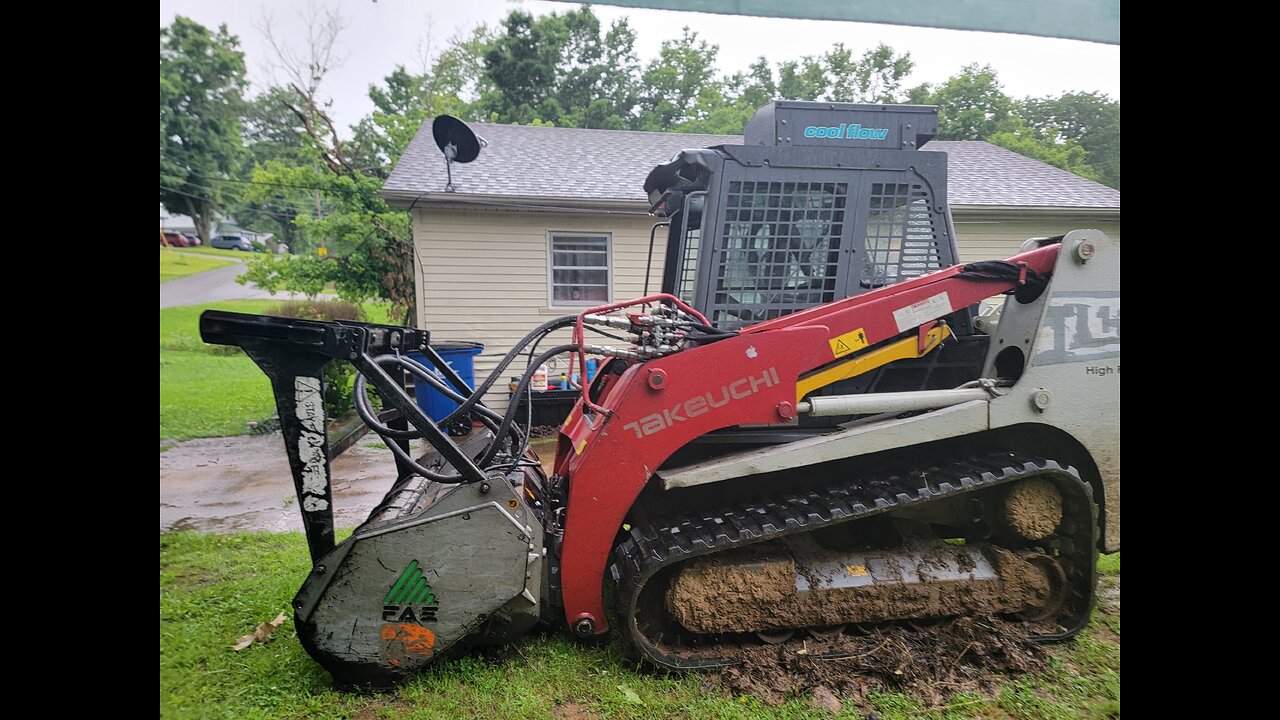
point(842, 345)
point(913, 316)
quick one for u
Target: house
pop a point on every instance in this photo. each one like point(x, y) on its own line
point(484, 252)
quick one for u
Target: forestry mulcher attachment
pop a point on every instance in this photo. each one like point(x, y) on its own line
point(810, 431)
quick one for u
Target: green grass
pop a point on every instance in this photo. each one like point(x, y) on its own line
point(203, 250)
point(174, 264)
point(212, 390)
point(215, 588)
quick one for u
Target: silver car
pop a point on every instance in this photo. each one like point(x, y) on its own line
point(232, 242)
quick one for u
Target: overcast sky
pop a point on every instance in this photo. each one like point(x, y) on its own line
point(385, 33)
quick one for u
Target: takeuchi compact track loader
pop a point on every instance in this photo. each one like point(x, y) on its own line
point(810, 430)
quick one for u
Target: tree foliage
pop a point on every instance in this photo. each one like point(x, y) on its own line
point(1090, 119)
point(560, 68)
point(972, 104)
point(202, 80)
point(1078, 132)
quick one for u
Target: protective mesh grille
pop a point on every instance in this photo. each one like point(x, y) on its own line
point(779, 250)
point(901, 240)
point(689, 267)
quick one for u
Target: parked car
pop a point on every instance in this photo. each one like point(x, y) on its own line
point(174, 239)
point(192, 238)
point(232, 242)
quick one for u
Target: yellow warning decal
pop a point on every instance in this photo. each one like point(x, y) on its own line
point(842, 345)
point(856, 570)
point(578, 448)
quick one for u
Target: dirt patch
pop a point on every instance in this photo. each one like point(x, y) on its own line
point(1033, 509)
point(968, 654)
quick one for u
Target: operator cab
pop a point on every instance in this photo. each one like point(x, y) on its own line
point(822, 201)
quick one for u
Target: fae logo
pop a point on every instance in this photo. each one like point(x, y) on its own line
point(845, 131)
point(410, 599)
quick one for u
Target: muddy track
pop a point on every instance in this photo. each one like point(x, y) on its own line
point(665, 542)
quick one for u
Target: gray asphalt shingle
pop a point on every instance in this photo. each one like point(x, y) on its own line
point(553, 162)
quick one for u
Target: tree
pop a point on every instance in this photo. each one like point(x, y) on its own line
point(558, 68)
point(273, 134)
point(368, 249)
point(804, 79)
point(202, 81)
point(1064, 153)
point(1090, 119)
point(368, 252)
point(876, 77)
point(406, 100)
point(972, 104)
point(304, 71)
point(675, 82)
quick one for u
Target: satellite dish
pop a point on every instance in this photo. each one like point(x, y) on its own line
point(457, 142)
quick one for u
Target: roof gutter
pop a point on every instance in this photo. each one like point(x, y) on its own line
point(619, 206)
point(1004, 212)
point(540, 203)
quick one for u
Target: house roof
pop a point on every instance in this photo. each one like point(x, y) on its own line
point(982, 174)
point(546, 165)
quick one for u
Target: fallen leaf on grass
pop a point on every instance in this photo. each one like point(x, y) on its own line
point(259, 634)
point(630, 695)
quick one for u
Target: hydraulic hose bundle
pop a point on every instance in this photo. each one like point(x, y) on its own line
point(668, 328)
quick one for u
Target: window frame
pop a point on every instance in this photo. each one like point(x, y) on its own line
point(552, 235)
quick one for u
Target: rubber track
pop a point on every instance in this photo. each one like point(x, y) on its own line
point(669, 540)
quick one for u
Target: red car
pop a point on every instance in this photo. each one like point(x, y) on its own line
point(174, 239)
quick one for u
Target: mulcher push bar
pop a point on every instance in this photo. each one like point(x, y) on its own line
point(293, 352)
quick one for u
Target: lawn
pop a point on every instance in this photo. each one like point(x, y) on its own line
point(175, 264)
point(215, 588)
point(211, 390)
point(204, 250)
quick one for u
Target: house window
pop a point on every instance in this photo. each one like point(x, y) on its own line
point(581, 271)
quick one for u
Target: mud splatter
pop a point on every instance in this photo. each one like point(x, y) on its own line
point(968, 654)
point(1033, 509)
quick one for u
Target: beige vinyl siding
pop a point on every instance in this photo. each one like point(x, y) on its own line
point(483, 276)
point(995, 239)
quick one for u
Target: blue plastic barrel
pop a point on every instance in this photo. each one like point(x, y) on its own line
point(458, 355)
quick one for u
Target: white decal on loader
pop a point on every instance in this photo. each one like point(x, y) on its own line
point(1079, 326)
point(309, 407)
point(917, 314)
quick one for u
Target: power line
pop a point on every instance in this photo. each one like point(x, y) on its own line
point(283, 185)
point(279, 215)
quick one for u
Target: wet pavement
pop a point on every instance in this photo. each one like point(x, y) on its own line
point(239, 484)
point(243, 483)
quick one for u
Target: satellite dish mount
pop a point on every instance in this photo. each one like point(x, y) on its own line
point(457, 142)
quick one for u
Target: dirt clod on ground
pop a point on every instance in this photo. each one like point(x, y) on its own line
point(967, 654)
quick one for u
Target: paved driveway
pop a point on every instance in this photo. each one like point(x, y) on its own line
point(215, 285)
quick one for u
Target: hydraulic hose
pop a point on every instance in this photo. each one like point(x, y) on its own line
point(535, 334)
point(510, 416)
